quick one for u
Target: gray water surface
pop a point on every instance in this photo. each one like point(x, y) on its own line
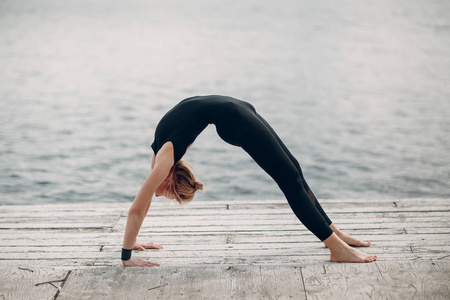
point(358, 90)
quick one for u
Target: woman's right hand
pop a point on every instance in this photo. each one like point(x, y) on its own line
point(138, 262)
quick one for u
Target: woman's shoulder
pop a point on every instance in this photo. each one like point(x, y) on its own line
point(165, 154)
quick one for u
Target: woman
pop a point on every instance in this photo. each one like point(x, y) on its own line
point(239, 124)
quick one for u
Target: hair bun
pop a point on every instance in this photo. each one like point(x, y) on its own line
point(198, 185)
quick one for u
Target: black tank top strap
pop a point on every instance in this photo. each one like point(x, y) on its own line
point(178, 148)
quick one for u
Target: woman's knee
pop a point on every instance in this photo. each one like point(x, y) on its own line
point(291, 180)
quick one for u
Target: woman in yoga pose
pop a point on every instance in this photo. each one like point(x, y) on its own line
point(239, 124)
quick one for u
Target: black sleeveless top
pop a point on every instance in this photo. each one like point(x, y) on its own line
point(185, 121)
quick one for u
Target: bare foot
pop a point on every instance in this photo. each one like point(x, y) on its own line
point(349, 254)
point(352, 241)
point(137, 262)
point(341, 252)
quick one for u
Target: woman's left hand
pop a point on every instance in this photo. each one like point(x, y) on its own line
point(142, 246)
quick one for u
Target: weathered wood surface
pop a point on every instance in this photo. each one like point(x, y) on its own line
point(239, 246)
point(29, 282)
point(217, 282)
point(381, 280)
point(395, 280)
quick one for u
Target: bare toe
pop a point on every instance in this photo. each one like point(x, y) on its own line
point(371, 258)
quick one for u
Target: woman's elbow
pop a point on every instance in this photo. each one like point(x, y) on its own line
point(136, 212)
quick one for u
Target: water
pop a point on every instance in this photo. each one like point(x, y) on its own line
point(357, 90)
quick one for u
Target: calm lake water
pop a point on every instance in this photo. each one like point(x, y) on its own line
point(358, 90)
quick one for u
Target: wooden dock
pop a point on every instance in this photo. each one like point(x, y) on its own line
point(237, 249)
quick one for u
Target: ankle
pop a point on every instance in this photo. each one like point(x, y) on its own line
point(334, 242)
point(335, 229)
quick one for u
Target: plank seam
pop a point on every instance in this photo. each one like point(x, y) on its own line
point(443, 257)
point(381, 273)
point(117, 222)
point(62, 284)
point(303, 282)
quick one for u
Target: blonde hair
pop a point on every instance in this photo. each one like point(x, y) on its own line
point(182, 183)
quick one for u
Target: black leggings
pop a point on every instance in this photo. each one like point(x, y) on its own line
point(251, 132)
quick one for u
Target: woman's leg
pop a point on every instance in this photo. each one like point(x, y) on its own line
point(247, 130)
point(345, 237)
point(263, 147)
point(267, 152)
point(297, 165)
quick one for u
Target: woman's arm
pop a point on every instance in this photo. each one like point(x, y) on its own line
point(140, 205)
point(162, 164)
point(153, 161)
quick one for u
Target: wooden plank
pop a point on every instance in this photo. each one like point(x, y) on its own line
point(50, 249)
point(101, 208)
point(207, 254)
point(367, 281)
point(263, 260)
point(211, 252)
point(255, 202)
point(68, 239)
point(341, 281)
point(149, 234)
point(23, 281)
point(431, 248)
point(384, 246)
point(381, 280)
point(287, 211)
point(148, 227)
point(220, 260)
point(217, 282)
point(419, 202)
point(105, 207)
point(288, 219)
point(236, 257)
point(56, 210)
point(428, 230)
point(67, 208)
point(292, 219)
point(270, 237)
point(65, 238)
point(237, 238)
point(67, 226)
point(61, 254)
point(224, 226)
point(336, 210)
point(68, 264)
point(415, 280)
point(56, 264)
point(281, 282)
point(293, 246)
point(105, 219)
point(329, 281)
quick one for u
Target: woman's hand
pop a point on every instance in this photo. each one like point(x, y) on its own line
point(142, 246)
point(138, 262)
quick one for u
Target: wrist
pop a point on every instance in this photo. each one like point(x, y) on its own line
point(126, 254)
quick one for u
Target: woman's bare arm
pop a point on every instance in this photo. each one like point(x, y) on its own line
point(161, 167)
point(138, 209)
